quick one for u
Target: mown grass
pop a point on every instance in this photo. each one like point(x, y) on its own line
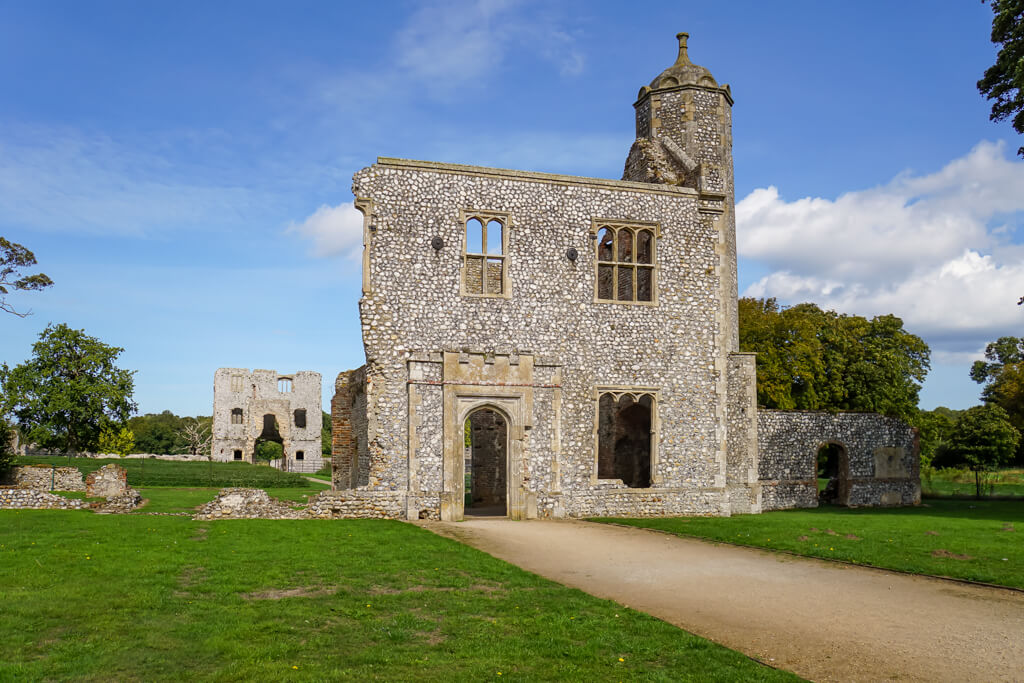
point(153, 472)
point(973, 540)
point(959, 483)
point(131, 597)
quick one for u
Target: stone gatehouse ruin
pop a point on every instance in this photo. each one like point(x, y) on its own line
point(579, 336)
point(263, 405)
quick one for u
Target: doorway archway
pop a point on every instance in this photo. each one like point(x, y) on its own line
point(486, 463)
point(832, 469)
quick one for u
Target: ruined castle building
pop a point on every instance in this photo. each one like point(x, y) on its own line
point(263, 405)
point(542, 345)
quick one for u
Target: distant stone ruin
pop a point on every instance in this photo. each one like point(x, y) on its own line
point(262, 405)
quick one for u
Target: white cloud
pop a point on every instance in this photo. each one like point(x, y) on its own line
point(60, 179)
point(334, 230)
point(935, 250)
point(447, 46)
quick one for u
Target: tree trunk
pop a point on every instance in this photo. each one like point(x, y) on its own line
point(977, 484)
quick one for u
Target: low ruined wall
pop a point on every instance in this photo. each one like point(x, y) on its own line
point(629, 502)
point(356, 504)
point(39, 477)
point(108, 481)
point(29, 499)
point(880, 466)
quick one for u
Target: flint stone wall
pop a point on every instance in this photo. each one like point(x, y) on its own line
point(30, 499)
point(108, 481)
point(881, 467)
point(356, 504)
point(39, 477)
point(242, 503)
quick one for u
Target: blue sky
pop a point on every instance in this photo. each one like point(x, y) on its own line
point(182, 170)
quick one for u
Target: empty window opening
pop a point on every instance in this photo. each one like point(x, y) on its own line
point(484, 259)
point(237, 383)
point(625, 263)
point(300, 417)
point(624, 438)
point(236, 416)
point(284, 384)
point(487, 463)
point(238, 455)
point(833, 474)
point(300, 455)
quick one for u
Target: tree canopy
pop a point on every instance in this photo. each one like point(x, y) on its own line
point(14, 257)
point(1002, 374)
point(983, 439)
point(69, 389)
point(1003, 82)
point(810, 359)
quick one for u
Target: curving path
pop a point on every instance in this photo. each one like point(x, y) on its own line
point(824, 621)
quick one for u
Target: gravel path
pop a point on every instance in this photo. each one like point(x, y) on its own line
point(824, 621)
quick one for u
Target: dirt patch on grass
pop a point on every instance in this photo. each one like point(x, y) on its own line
point(281, 593)
point(852, 537)
point(420, 588)
point(200, 534)
point(941, 552)
point(931, 533)
point(1007, 527)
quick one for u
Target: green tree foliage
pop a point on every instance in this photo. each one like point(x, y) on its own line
point(268, 450)
point(810, 359)
point(68, 390)
point(325, 434)
point(1003, 82)
point(116, 439)
point(6, 447)
point(156, 433)
point(983, 440)
point(934, 428)
point(1002, 374)
point(14, 257)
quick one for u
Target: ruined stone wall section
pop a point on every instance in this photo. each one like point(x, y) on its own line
point(47, 478)
point(414, 309)
point(348, 428)
point(741, 454)
point(884, 464)
point(257, 393)
point(31, 499)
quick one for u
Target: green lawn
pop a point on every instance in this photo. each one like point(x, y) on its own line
point(132, 597)
point(153, 472)
point(974, 540)
point(960, 483)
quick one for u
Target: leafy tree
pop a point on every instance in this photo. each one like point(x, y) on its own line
point(157, 433)
point(1003, 82)
point(268, 450)
point(810, 359)
point(325, 434)
point(934, 428)
point(13, 257)
point(1003, 379)
point(983, 439)
point(6, 448)
point(114, 439)
point(68, 390)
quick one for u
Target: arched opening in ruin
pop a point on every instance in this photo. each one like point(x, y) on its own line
point(624, 438)
point(833, 473)
point(486, 441)
point(269, 445)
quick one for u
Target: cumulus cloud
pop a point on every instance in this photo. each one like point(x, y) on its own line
point(937, 250)
point(333, 230)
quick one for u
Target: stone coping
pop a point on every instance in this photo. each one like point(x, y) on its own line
point(536, 176)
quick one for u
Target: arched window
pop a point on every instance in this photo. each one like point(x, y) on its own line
point(625, 263)
point(284, 384)
point(625, 436)
point(484, 269)
point(236, 416)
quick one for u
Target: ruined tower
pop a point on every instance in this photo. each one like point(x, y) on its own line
point(684, 138)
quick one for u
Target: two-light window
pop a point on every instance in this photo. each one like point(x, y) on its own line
point(485, 269)
point(625, 263)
